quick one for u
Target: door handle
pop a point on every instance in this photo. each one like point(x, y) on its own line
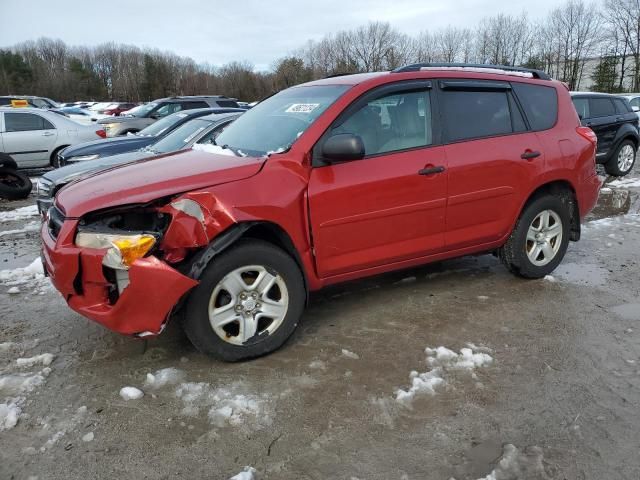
point(47, 134)
point(431, 170)
point(529, 155)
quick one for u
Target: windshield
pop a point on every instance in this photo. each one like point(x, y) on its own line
point(180, 137)
point(274, 124)
point(162, 125)
point(142, 110)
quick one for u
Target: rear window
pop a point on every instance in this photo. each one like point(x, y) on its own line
point(601, 107)
point(476, 114)
point(227, 103)
point(540, 104)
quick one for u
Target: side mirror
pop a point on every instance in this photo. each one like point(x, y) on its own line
point(635, 109)
point(343, 147)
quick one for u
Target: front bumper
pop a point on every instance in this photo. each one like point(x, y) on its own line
point(77, 273)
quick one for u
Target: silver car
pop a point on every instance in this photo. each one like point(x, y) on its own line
point(33, 137)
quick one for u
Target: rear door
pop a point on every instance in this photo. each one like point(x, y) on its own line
point(29, 138)
point(390, 205)
point(491, 155)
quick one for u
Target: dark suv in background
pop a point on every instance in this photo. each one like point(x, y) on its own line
point(616, 126)
point(143, 116)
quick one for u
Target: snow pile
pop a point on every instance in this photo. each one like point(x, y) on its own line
point(131, 393)
point(164, 377)
point(23, 275)
point(629, 220)
point(21, 213)
point(30, 227)
point(211, 148)
point(44, 359)
point(226, 406)
point(625, 183)
point(88, 437)
point(14, 387)
point(65, 426)
point(247, 474)
point(442, 361)
point(349, 354)
point(517, 465)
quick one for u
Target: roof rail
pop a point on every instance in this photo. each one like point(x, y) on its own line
point(415, 67)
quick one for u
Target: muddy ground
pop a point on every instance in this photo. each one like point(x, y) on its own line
point(563, 385)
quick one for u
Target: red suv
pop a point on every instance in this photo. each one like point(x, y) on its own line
point(329, 181)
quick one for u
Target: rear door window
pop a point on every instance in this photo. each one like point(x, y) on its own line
point(540, 104)
point(25, 122)
point(191, 105)
point(601, 107)
point(476, 114)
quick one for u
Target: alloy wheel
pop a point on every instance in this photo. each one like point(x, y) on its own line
point(544, 238)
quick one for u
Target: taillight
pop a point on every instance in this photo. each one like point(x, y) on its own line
point(101, 133)
point(587, 133)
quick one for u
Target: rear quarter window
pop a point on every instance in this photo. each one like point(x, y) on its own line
point(540, 104)
point(227, 103)
point(621, 106)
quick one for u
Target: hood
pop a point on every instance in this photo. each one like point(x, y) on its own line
point(77, 170)
point(147, 180)
point(108, 146)
point(120, 119)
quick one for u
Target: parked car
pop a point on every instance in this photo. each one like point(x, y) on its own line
point(147, 114)
point(129, 143)
point(616, 126)
point(80, 115)
point(115, 109)
point(634, 101)
point(31, 101)
point(325, 182)
point(33, 137)
point(198, 131)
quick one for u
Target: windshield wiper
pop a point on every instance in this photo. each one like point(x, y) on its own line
point(235, 151)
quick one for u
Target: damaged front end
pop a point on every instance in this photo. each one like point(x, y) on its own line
point(127, 268)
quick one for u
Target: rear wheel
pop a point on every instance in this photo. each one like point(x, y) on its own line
point(623, 159)
point(540, 238)
point(13, 184)
point(249, 301)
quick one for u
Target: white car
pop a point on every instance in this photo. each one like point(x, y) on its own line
point(634, 100)
point(33, 137)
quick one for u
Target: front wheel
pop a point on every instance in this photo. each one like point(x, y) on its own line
point(249, 301)
point(540, 238)
point(622, 161)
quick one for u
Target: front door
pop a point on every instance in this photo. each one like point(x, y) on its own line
point(390, 205)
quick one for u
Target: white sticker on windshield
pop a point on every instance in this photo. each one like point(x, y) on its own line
point(302, 107)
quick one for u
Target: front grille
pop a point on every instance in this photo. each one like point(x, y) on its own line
point(56, 219)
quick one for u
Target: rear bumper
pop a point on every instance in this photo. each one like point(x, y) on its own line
point(588, 192)
point(77, 273)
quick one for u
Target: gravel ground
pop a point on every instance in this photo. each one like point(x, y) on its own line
point(556, 398)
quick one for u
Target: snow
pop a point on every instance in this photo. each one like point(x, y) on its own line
point(44, 359)
point(20, 276)
point(550, 278)
point(247, 474)
point(442, 361)
point(29, 227)
point(88, 437)
point(163, 377)
point(349, 354)
point(21, 213)
point(210, 148)
point(9, 413)
point(483, 298)
point(131, 393)
point(65, 426)
point(515, 464)
point(318, 365)
point(13, 290)
point(227, 406)
point(625, 182)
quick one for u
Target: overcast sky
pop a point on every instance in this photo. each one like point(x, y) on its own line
point(217, 32)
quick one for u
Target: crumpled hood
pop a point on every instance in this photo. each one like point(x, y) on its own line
point(147, 180)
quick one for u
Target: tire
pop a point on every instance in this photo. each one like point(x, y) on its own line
point(516, 254)
point(13, 184)
point(55, 162)
point(7, 162)
point(229, 342)
point(622, 161)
